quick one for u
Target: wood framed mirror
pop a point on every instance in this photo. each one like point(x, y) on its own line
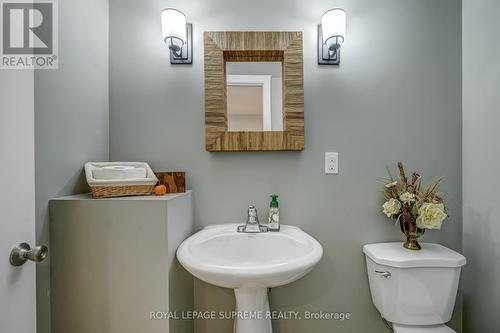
point(254, 91)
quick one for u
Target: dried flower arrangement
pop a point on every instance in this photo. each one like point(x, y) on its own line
point(415, 207)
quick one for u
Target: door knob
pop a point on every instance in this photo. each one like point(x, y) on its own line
point(23, 252)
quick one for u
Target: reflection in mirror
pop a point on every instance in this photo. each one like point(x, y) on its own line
point(254, 96)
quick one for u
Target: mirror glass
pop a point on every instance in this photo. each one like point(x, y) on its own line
point(254, 96)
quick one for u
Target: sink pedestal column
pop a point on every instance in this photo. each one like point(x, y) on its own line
point(252, 306)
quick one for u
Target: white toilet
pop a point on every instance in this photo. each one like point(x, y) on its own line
point(414, 290)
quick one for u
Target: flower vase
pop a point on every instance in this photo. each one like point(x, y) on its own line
point(412, 233)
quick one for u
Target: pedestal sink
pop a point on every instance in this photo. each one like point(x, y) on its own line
point(249, 263)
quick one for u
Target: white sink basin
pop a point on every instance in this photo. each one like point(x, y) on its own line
point(249, 263)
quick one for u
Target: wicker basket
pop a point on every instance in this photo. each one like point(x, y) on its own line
point(120, 191)
point(120, 187)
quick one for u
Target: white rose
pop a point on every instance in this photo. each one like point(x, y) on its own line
point(431, 216)
point(391, 207)
point(407, 197)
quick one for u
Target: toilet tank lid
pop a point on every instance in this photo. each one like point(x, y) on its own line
point(431, 255)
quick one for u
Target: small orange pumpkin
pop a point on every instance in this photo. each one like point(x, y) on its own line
point(160, 190)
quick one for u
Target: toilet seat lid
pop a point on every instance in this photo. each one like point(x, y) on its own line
point(422, 329)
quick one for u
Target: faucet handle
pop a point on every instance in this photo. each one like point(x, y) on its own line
point(252, 224)
point(252, 211)
point(252, 215)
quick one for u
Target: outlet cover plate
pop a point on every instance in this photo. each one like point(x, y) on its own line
point(331, 163)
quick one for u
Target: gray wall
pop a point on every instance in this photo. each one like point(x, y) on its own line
point(481, 147)
point(71, 119)
point(396, 96)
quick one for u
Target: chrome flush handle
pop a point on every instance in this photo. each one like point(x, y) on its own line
point(384, 274)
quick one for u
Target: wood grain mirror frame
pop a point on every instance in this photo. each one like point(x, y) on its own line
point(285, 47)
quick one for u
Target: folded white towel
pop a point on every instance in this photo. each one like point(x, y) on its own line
point(119, 172)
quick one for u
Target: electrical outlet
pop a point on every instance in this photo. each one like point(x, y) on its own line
point(331, 163)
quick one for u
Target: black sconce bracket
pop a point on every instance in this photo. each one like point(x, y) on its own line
point(185, 55)
point(325, 55)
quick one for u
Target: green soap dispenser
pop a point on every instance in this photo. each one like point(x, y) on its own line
point(274, 215)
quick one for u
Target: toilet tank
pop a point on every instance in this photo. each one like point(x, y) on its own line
point(413, 287)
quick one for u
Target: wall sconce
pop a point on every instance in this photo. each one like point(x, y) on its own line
point(331, 35)
point(177, 35)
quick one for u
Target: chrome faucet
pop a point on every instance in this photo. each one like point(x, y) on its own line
point(252, 224)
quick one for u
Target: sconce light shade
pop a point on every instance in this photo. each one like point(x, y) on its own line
point(177, 35)
point(333, 23)
point(173, 27)
point(331, 35)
